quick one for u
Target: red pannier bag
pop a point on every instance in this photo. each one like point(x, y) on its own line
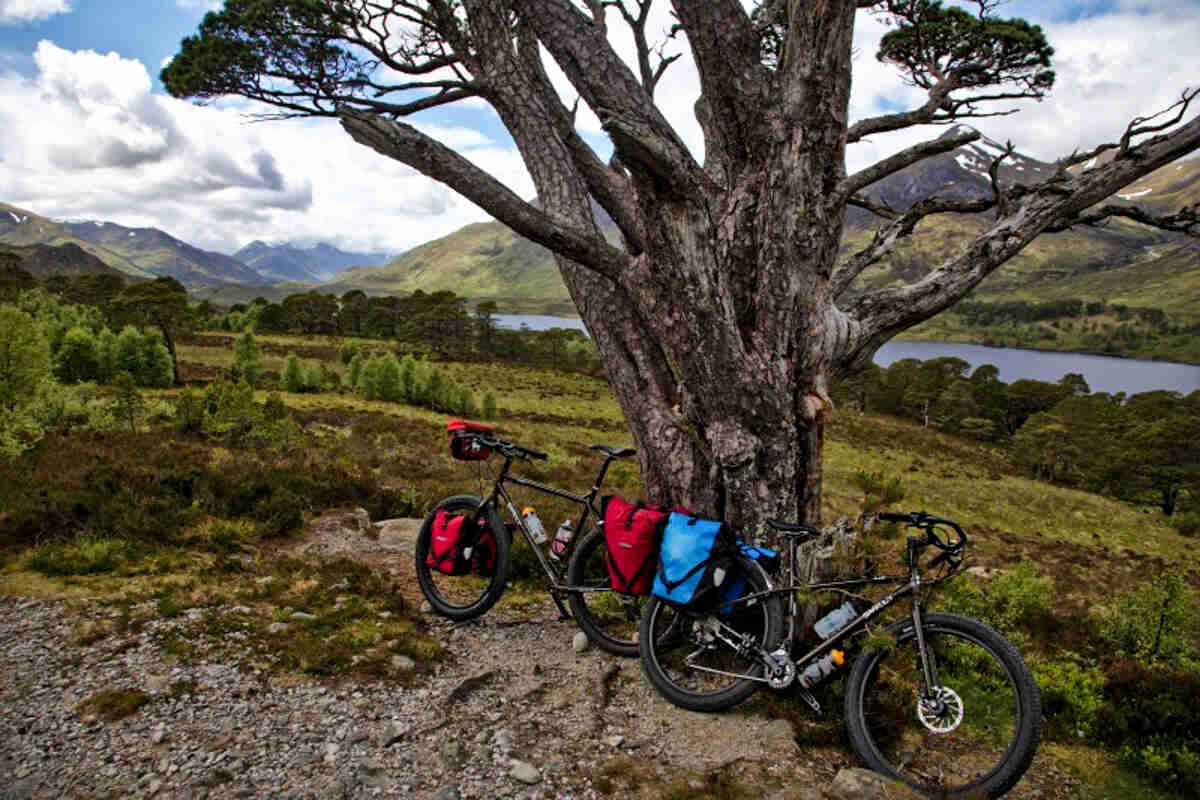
point(631, 536)
point(464, 447)
point(483, 555)
point(451, 545)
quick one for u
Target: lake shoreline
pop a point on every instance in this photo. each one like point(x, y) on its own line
point(1099, 353)
point(901, 338)
point(1103, 372)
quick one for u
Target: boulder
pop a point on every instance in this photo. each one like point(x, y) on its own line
point(856, 783)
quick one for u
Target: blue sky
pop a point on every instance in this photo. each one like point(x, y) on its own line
point(88, 132)
point(148, 30)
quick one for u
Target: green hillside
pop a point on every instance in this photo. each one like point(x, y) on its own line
point(22, 228)
point(482, 260)
point(1121, 262)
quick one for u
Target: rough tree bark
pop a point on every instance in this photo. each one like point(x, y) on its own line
point(722, 321)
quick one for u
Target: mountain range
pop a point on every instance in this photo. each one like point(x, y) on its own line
point(290, 263)
point(1119, 262)
point(46, 246)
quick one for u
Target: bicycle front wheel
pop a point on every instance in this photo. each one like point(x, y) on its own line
point(609, 619)
point(462, 597)
point(974, 736)
point(706, 658)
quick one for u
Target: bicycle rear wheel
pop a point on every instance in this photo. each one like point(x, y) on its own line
point(462, 597)
point(609, 619)
point(703, 660)
point(975, 739)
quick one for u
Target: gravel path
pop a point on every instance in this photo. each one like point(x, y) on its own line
point(514, 712)
point(517, 713)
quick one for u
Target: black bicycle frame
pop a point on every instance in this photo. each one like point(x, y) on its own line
point(587, 501)
point(912, 585)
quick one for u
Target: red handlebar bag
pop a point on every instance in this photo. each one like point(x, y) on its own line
point(464, 446)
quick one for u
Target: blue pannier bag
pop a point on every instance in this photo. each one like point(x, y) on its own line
point(765, 556)
point(692, 558)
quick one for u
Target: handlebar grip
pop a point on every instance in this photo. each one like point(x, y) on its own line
point(536, 454)
point(886, 517)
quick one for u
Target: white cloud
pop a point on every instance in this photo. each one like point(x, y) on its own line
point(1110, 67)
point(202, 5)
point(14, 11)
point(90, 139)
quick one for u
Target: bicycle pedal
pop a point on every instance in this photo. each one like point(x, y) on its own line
point(807, 697)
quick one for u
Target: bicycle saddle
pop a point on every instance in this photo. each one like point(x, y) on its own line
point(613, 452)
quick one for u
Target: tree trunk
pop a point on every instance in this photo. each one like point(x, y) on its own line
point(734, 429)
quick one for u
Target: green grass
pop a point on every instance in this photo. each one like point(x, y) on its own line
point(1059, 551)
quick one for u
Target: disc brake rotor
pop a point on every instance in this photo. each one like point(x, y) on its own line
point(941, 713)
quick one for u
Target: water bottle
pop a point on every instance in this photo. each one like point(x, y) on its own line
point(534, 526)
point(822, 669)
point(827, 625)
point(562, 541)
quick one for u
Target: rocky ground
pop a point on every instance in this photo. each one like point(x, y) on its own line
point(514, 711)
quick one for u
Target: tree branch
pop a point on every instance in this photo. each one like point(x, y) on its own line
point(637, 24)
point(639, 131)
point(606, 185)
point(426, 155)
point(900, 227)
point(725, 47)
point(905, 158)
point(1185, 221)
point(883, 313)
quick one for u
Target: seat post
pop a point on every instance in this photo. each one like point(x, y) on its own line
point(600, 477)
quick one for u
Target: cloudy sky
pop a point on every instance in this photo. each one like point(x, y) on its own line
point(86, 131)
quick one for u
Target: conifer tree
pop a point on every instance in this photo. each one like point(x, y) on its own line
point(247, 358)
point(292, 379)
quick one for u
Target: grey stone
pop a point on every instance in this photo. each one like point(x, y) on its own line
point(426, 608)
point(154, 786)
point(856, 783)
point(157, 683)
point(371, 766)
point(396, 533)
point(403, 663)
point(392, 734)
point(504, 740)
point(277, 627)
point(525, 772)
point(159, 734)
point(302, 615)
point(580, 642)
point(615, 741)
point(448, 793)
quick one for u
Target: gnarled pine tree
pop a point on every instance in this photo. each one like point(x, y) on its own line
point(724, 316)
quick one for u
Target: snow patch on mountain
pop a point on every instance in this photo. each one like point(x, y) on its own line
point(1132, 195)
point(17, 219)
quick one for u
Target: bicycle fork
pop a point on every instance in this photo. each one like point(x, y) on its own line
point(930, 691)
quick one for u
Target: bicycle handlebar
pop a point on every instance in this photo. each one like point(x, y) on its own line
point(929, 523)
point(509, 448)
